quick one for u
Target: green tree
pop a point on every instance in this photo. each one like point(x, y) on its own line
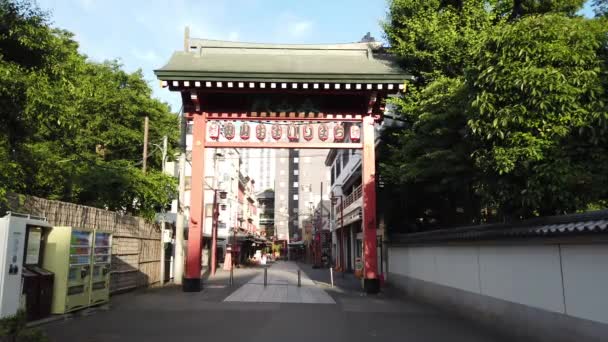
point(600, 7)
point(539, 91)
point(430, 157)
point(74, 128)
point(489, 76)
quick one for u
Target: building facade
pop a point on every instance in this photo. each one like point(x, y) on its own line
point(266, 213)
point(302, 180)
point(285, 201)
point(259, 164)
point(346, 208)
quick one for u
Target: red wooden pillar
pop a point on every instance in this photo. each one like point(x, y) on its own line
point(192, 279)
point(371, 282)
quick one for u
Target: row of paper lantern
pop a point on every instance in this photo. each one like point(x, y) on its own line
point(276, 132)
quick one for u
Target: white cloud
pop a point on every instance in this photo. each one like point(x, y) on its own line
point(300, 28)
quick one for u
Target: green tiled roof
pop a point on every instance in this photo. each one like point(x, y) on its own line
point(232, 61)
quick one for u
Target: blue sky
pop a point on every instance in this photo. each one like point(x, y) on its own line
point(144, 34)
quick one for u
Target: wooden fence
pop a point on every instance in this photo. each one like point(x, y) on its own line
point(135, 244)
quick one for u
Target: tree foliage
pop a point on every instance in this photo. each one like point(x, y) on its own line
point(507, 115)
point(73, 128)
point(600, 7)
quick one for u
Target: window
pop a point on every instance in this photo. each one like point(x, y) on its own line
point(345, 155)
point(295, 197)
point(333, 177)
point(296, 160)
point(295, 184)
point(338, 168)
point(296, 172)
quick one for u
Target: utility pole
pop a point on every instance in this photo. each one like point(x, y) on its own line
point(162, 222)
point(145, 156)
point(321, 208)
point(178, 258)
point(216, 213)
point(214, 222)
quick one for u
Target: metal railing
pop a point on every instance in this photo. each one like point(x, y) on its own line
point(346, 202)
point(355, 195)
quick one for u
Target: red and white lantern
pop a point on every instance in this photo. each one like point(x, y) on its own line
point(293, 132)
point(260, 131)
point(338, 133)
point(307, 132)
point(276, 131)
point(355, 133)
point(214, 130)
point(229, 131)
point(245, 131)
point(323, 132)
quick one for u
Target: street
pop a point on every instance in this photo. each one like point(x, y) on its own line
point(170, 314)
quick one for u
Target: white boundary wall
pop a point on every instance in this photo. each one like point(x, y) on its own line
point(567, 279)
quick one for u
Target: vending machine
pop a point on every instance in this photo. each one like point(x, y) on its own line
point(23, 284)
point(81, 261)
point(68, 255)
point(100, 278)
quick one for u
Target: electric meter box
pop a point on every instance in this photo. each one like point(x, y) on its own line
point(80, 260)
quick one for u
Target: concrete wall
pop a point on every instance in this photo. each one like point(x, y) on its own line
point(551, 292)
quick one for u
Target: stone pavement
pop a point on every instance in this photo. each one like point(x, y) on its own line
point(281, 287)
point(168, 314)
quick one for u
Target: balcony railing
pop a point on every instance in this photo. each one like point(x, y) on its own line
point(355, 195)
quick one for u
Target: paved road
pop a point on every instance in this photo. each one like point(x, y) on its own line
point(281, 287)
point(170, 315)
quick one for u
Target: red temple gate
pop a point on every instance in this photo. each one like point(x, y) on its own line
point(247, 95)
